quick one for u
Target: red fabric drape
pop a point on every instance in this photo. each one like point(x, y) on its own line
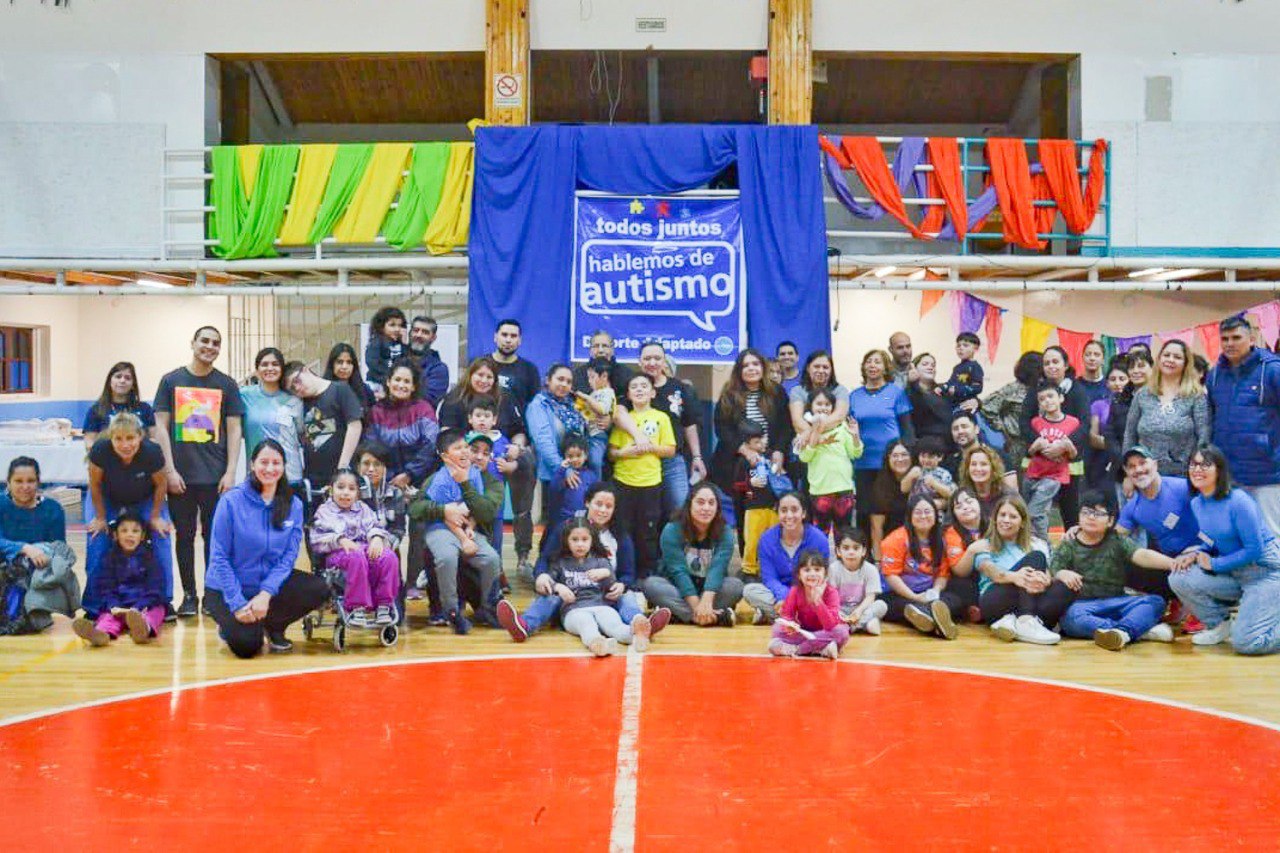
point(1058, 156)
point(1208, 333)
point(1016, 191)
point(947, 182)
point(994, 324)
point(928, 299)
point(867, 157)
point(1073, 343)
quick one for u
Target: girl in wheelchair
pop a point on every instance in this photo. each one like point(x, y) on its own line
point(346, 535)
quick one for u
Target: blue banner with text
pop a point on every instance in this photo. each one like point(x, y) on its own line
point(666, 268)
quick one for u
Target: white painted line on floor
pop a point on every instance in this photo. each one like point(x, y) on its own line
point(622, 833)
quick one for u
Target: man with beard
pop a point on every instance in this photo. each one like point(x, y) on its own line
point(1161, 506)
point(435, 373)
point(964, 434)
point(904, 372)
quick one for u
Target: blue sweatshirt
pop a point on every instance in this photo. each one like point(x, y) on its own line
point(130, 580)
point(443, 489)
point(776, 568)
point(1232, 530)
point(44, 522)
point(247, 554)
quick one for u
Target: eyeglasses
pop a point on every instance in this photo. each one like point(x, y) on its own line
point(1095, 513)
point(1201, 465)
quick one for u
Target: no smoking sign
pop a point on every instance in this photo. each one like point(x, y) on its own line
point(508, 90)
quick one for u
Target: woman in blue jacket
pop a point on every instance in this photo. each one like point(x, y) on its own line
point(1238, 560)
point(780, 547)
point(251, 587)
point(550, 416)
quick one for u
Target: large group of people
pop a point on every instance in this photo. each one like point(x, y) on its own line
point(827, 507)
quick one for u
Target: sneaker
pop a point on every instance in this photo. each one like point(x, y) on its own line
point(414, 594)
point(524, 570)
point(759, 617)
point(658, 620)
point(1003, 628)
point(382, 616)
point(919, 618)
point(204, 608)
point(438, 619)
point(278, 643)
point(1212, 636)
point(641, 631)
point(1173, 614)
point(139, 630)
point(872, 626)
point(727, 618)
point(1029, 629)
point(942, 618)
point(510, 619)
point(1161, 633)
point(87, 631)
point(779, 649)
point(170, 615)
point(1112, 639)
point(1192, 625)
point(600, 646)
point(421, 581)
point(461, 624)
point(973, 615)
point(189, 607)
point(829, 651)
point(359, 617)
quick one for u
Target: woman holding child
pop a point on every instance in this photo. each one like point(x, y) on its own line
point(749, 395)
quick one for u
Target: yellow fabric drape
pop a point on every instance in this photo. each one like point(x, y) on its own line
point(249, 156)
point(314, 163)
point(452, 223)
point(1035, 334)
point(369, 206)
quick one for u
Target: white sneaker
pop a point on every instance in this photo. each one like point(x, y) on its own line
point(1003, 628)
point(919, 618)
point(1161, 633)
point(779, 649)
point(872, 626)
point(1212, 636)
point(1029, 629)
point(760, 617)
point(829, 651)
point(1111, 639)
point(640, 632)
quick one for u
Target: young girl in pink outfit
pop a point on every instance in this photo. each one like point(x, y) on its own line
point(130, 586)
point(345, 533)
point(810, 621)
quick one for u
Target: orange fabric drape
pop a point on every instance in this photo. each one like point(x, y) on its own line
point(946, 181)
point(1058, 156)
point(1073, 343)
point(867, 157)
point(1016, 191)
point(928, 299)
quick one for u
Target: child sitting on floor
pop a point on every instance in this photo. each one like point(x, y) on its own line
point(581, 575)
point(810, 622)
point(857, 581)
point(129, 585)
point(345, 533)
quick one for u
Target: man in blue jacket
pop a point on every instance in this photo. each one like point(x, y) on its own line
point(435, 373)
point(1244, 398)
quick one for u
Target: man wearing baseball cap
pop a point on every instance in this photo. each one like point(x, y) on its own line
point(1161, 506)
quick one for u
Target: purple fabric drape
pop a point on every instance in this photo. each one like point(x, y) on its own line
point(910, 154)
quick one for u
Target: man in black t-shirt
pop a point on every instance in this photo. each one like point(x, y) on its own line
point(331, 421)
point(198, 427)
point(520, 379)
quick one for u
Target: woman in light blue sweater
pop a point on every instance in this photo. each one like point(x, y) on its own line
point(1236, 560)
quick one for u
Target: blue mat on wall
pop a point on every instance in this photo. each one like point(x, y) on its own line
point(522, 222)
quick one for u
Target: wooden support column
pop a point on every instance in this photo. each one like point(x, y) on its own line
point(506, 61)
point(790, 61)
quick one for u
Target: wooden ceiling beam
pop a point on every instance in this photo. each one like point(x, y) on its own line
point(790, 61)
point(506, 55)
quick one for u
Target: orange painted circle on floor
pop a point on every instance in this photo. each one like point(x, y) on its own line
point(736, 753)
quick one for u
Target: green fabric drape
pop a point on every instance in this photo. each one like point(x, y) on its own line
point(348, 169)
point(246, 227)
point(406, 225)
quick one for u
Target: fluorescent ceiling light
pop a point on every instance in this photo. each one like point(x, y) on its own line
point(916, 276)
point(151, 282)
point(1148, 271)
point(1174, 275)
point(881, 272)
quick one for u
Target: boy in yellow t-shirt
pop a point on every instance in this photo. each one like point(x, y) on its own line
point(637, 471)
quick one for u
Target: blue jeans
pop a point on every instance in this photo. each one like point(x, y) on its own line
point(597, 448)
point(1257, 627)
point(1133, 614)
point(675, 483)
point(545, 607)
point(97, 547)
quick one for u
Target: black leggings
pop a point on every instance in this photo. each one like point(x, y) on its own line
point(1069, 503)
point(195, 505)
point(299, 595)
point(1001, 599)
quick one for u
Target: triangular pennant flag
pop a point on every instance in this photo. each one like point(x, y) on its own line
point(1074, 343)
point(972, 311)
point(1035, 334)
point(1268, 322)
point(1208, 333)
point(929, 299)
point(995, 327)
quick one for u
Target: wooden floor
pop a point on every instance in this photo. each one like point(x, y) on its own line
point(54, 669)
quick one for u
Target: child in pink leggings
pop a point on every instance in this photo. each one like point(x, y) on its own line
point(130, 585)
point(345, 533)
point(809, 621)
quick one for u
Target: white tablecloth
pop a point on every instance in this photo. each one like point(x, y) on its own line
point(59, 463)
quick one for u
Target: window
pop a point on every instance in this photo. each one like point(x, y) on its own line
point(16, 360)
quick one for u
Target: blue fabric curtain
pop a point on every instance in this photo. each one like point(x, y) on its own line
point(522, 222)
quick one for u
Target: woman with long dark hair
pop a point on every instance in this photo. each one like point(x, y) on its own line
point(694, 580)
point(251, 587)
point(119, 394)
point(272, 412)
point(343, 365)
point(916, 563)
point(749, 395)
